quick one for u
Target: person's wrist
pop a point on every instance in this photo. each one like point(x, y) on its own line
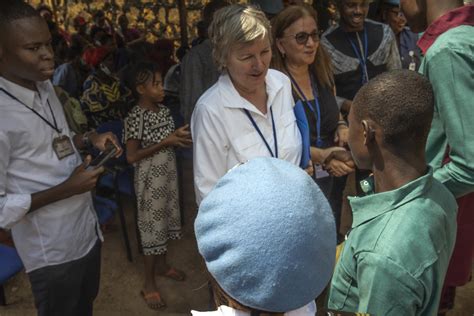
point(328, 159)
point(92, 137)
point(66, 189)
point(87, 138)
point(166, 142)
point(326, 153)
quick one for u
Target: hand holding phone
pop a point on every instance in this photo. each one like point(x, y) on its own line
point(102, 158)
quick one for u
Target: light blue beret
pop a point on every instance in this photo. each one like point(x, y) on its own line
point(392, 2)
point(267, 235)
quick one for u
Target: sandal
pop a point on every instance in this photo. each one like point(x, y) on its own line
point(174, 274)
point(153, 300)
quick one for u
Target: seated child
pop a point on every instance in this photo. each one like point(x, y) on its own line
point(267, 235)
point(396, 254)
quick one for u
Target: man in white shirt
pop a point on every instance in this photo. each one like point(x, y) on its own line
point(44, 186)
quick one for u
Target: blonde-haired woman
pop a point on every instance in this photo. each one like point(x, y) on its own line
point(248, 113)
point(297, 53)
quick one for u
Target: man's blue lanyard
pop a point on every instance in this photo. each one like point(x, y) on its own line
point(317, 112)
point(362, 59)
point(261, 135)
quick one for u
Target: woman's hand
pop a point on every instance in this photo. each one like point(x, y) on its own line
point(319, 155)
point(310, 169)
point(342, 135)
point(338, 168)
point(339, 163)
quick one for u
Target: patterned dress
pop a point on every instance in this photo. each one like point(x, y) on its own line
point(156, 183)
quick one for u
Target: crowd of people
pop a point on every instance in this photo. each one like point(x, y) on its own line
point(332, 157)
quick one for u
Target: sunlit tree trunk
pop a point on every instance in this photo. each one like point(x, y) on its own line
point(183, 22)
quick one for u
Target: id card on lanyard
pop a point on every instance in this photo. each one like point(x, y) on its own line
point(62, 144)
point(316, 111)
point(319, 172)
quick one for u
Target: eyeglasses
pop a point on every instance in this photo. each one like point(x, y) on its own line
point(302, 37)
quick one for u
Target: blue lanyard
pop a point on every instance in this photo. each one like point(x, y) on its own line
point(362, 59)
point(317, 112)
point(55, 126)
point(261, 135)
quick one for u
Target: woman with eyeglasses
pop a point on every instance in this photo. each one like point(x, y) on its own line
point(298, 54)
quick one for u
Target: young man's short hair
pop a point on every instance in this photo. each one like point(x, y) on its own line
point(11, 10)
point(401, 102)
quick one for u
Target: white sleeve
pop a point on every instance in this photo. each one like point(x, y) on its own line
point(209, 150)
point(13, 207)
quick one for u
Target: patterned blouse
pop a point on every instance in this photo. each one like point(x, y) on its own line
point(148, 126)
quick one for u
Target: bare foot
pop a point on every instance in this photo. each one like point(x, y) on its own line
point(173, 274)
point(153, 299)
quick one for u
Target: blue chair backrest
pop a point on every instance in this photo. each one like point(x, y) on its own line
point(10, 263)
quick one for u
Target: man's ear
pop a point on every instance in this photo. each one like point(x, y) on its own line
point(369, 132)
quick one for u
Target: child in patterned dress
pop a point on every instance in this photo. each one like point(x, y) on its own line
point(150, 138)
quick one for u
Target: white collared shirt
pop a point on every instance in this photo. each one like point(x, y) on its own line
point(223, 135)
point(56, 233)
point(307, 310)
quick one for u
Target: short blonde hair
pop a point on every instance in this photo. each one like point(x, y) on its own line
point(236, 24)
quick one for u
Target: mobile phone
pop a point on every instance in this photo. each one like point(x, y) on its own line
point(102, 158)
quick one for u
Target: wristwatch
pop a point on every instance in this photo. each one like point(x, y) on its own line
point(86, 138)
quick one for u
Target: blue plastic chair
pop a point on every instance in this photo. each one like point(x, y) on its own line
point(105, 208)
point(10, 264)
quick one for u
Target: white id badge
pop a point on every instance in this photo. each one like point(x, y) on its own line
point(62, 146)
point(320, 172)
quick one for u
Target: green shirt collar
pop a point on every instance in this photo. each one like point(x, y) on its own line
point(369, 207)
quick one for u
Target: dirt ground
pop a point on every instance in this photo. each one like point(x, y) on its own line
point(121, 280)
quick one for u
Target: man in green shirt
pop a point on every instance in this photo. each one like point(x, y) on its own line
point(396, 254)
point(448, 48)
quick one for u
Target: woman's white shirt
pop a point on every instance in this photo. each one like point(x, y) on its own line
point(224, 136)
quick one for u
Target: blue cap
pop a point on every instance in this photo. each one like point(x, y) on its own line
point(269, 6)
point(267, 235)
point(392, 2)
